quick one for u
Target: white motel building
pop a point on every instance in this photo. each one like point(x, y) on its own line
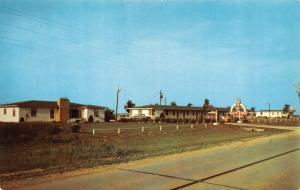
point(59, 111)
point(174, 112)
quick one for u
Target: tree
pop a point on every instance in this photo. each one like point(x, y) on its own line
point(108, 115)
point(189, 105)
point(129, 104)
point(206, 104)
point(205, 107)
point(173, 103)
point(286, 110)
point(252, 109)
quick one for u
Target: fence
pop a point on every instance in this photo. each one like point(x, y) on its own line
point(142, 128)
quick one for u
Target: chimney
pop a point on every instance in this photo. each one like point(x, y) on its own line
point(63, 110)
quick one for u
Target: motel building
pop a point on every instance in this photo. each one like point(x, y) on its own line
point(175, 112)
point(61, 110)
point(273, 113)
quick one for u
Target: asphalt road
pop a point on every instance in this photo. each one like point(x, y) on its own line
point(265, 163)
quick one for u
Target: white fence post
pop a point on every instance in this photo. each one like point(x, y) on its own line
point(93, 131)
point(160, 128)
point(142, 129)
point(192, 126)
point(177, 127)
point(119, 131)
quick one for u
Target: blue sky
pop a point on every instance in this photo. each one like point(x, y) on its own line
point(191, 50)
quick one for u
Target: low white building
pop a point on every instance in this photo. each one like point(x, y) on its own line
point(60, 111)
point(271, 113)
point(174, 112)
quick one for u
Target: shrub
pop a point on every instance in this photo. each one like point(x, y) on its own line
point(167, 120)
point(173, 120)
point(145, 119)
point(156, 120)
point(75, 128)
point(162, 120)
point(179, 120)
point(193, 121)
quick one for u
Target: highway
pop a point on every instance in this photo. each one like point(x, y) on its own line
point(263, 163)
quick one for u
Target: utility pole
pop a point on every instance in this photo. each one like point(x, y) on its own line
point(298, 92)
point(269, 110)
point(161, 96)
point(165, 100)
point(117, 103)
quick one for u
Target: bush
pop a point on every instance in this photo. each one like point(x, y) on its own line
point(75, 128)
point(173, 120)
point(125, 120)
point(179, 120)
point(162, 120)
point(156, 120)
point(193, 121)
point(145, 119)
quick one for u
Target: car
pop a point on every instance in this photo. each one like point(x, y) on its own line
point(74, 120)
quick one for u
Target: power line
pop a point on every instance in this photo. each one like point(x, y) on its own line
point(51, 22)
point(64, 27)
point(58, 25)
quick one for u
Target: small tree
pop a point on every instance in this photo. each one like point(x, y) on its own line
point(108, 115)
point(189, 105)
point(173, 103)
point(286, 110)
point(129, 104)
point(205, 106)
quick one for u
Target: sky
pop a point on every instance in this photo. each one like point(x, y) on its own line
point(191, 50)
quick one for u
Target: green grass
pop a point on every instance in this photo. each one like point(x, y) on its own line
point(67, 151)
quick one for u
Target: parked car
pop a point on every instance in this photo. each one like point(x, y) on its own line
point(74, 120)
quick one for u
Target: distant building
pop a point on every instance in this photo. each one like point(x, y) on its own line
point(59, 111)
point(273, 113)
point(174, 112)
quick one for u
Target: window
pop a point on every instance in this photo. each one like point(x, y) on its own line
point(33, 112)
point(14, 112)
point(187, 112)
point(51, 113)
point(167, 112)
point(96, 113)
point(174, 112)
point(4, 111)
point(153, 112)
point(193, 112)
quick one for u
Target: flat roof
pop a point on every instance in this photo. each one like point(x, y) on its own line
point(170, 107)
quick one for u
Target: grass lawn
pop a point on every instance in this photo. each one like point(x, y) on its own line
point(60, 151)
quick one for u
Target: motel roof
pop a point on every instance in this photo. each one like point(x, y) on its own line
point(46, 104)
point(273, 110)
point(170, 107)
